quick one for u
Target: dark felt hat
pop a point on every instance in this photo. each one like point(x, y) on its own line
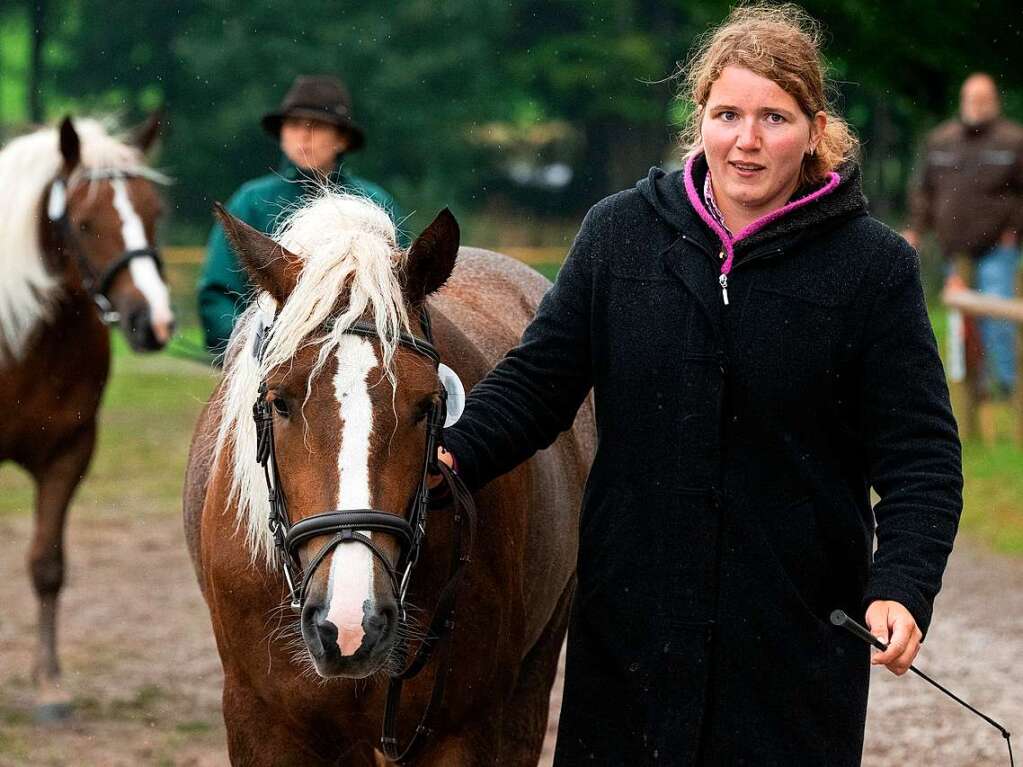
point(317, 97)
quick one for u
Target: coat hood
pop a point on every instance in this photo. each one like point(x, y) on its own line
point(826, 206)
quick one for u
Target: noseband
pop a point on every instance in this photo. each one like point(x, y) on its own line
point(96, 283)
point(352, 526)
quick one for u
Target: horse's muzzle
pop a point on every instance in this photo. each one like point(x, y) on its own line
point(335, 653)
point(138, 329)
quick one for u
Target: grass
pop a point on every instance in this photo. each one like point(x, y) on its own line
point(146, 421)
point(993, 494)
point(152, 402)
point(993, 489)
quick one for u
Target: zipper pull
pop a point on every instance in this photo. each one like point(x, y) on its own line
point(723, 279)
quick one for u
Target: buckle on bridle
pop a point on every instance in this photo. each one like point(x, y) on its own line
point(296, 602)
point(107, 313)
point(403, 589)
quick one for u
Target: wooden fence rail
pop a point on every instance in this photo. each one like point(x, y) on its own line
point(973, 410)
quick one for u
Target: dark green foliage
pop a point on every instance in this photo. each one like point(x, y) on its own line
point(428, 78)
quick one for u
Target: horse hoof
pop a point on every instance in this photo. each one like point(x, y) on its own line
point(51, 713)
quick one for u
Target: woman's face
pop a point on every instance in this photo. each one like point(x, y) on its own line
point(312, 144)
point(755, 137)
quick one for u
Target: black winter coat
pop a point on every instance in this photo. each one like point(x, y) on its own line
point(728, 508)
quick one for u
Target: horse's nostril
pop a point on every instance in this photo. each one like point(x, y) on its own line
point(389, 613)
point(138, 320)
point(379, 624)
point(328, 633)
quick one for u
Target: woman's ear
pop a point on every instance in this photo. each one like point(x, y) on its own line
point(818, 125)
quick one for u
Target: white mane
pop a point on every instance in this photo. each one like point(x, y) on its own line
point(28, 292)
point(345, 242)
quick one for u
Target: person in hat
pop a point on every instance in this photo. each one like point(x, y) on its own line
point(315, 129)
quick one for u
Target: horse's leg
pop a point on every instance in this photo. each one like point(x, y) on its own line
point(56, 481)
point(259, 735)
point(525, 723)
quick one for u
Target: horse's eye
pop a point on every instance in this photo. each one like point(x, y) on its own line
point(281, 406)
point(423, 409)
point(84, 226)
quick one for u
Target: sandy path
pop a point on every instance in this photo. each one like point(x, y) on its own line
point(139, 657)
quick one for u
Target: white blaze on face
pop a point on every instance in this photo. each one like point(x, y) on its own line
point(351, 569)
point(143, 271)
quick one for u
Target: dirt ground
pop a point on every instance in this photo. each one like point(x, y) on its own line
point(139, 657)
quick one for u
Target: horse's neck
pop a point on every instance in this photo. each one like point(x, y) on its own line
point(74, 325)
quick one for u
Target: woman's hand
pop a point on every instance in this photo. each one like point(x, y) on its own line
point(894, 625)
point(446, 458)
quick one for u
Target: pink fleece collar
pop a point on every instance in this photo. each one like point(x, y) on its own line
point(727, 241)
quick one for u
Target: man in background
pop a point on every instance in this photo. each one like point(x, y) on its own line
point(315, 129)
point(969, 191)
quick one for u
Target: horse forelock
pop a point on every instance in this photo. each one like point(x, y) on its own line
point(28, 291)
point(348, 248)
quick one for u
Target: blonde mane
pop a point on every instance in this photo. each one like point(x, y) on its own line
point(348, 245)
point(28, 291)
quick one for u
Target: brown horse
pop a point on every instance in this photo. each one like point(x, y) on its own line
point(350, 388)
point(78, 211)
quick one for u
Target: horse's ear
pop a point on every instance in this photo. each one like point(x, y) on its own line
point(70, 145)
point(145, 135)
point(431, 257)
point(270, 265)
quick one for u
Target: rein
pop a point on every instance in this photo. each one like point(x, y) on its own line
point(96, 283)
point(350, 525)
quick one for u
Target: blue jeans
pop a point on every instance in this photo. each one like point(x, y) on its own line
point(995, 274)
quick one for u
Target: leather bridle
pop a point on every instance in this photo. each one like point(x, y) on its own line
point(351, 525)
point(96, 283)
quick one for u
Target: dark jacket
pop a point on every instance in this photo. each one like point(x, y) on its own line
point(728, 508)
point(969, 186)
point(224, 290)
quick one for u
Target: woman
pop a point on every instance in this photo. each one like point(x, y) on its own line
point(760, 357)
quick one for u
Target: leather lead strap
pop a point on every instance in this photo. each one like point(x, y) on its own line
point(441, 628)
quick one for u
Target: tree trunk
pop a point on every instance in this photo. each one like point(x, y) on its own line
point(37, 9)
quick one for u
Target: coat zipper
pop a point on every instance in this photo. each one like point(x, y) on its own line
point(723, 278)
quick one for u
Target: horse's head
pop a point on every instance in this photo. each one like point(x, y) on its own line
point(349, 410)
point(102, 210)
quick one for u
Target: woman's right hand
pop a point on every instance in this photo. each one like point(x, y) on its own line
point(448, 459)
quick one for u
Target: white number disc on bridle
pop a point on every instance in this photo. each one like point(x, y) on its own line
point(456, 393)
point(56, 205)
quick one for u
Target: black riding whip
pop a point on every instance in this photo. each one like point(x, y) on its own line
point(839, 618)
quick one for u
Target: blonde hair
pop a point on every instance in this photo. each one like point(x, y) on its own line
point(783, 44)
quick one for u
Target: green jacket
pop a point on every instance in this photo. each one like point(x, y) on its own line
point(224, 289)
